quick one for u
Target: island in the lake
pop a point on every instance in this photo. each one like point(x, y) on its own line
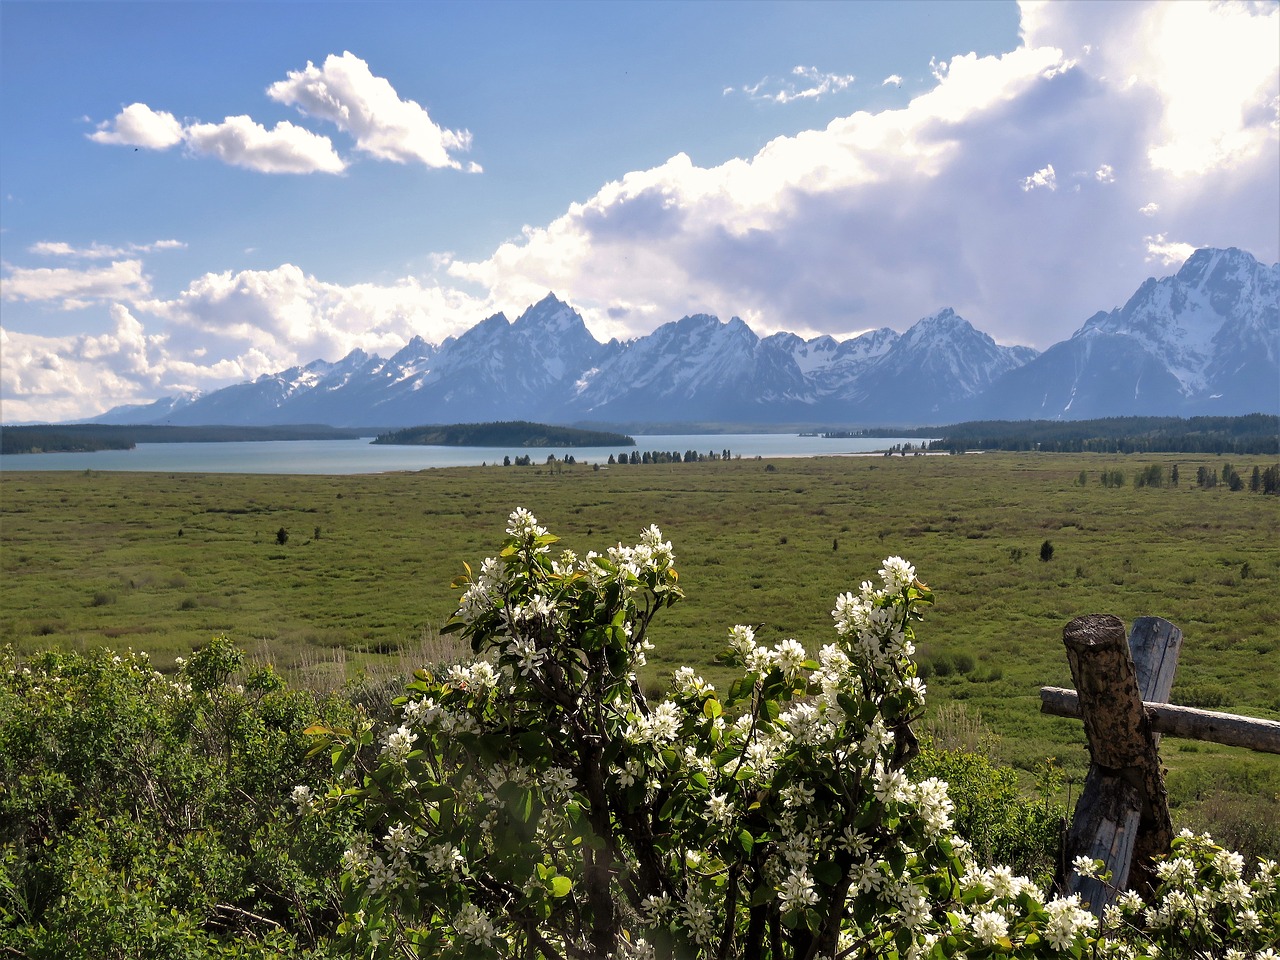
point(509, 433)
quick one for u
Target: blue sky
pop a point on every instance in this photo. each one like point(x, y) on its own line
point(193, 194)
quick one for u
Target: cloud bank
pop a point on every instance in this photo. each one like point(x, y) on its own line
point(343, 92)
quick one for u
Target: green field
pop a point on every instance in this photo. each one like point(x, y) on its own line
point(162, 562)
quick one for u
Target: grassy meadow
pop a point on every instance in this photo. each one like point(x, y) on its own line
point(162, 562)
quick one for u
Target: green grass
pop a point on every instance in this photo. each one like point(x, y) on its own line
point(162, 562)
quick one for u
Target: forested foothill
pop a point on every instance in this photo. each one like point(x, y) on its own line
point(87, 437)
point(1256, 433)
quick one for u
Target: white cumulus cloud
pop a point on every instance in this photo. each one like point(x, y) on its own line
point(100, 251)
point(804, 83)
point(285, 148)
point(1167, 253)
point(345, 92)
point(1044, 177)
point(222, 328)
point(122, 279)
point(137, 125)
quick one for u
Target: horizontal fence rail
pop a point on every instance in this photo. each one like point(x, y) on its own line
point(1185, 722)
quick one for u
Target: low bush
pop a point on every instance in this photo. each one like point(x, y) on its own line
point(149, 816)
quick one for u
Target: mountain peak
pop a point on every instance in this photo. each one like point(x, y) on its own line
point(941, 329)
point(1206, 262)
point(551, 316)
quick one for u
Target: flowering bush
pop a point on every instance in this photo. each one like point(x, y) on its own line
point(534, 803)
point(1207, 903)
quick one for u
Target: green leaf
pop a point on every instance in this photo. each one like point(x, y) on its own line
point(712, 709)
point(560, 887)
point(827, 871)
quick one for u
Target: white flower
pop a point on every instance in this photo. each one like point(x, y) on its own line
point(1229, 863)
point(302, 796)
point(803, 723)
point(1236, 892)
point(797, 796)
point(897, 575)
point(659, 549)
point(989, 926)
point(664, 722)
point(444, 858)
point(719, 808)
point(690, 685)
point(890, 785)
point(1177, 870)
point(934, 804)
point(697, 917)
point(559, 782)
point(523, 525)
point(854, 843)
point(481, 678)
point(399, 743)
point(797, 890)
point(1067, 921)
point(472, 924)
point(1086, 867)
point(421, 713)
point(789, 656)
point(528, 654)
point(742, 640)
point(654, 908)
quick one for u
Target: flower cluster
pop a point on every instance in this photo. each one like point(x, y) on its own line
point(1207, 903)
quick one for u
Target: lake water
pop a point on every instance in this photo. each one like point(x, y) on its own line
point(359, 456)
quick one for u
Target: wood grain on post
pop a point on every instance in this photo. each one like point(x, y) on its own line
point(1122, 817)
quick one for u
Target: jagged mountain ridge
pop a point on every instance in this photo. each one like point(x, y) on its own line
point(1203, 341)
point(1206, 340)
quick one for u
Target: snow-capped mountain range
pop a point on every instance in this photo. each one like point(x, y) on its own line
point(1204, 341)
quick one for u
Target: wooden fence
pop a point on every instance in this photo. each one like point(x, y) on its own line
point(1122, 691)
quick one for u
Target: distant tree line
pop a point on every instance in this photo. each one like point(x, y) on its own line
point(1261, 480)
point(664, 456)
point(87, 437)
point(1255, 433)
point(517, 433)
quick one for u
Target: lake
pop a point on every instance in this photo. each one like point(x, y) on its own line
point(360, 456)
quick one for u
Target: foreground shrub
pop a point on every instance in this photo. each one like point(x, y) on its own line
point(142, 816)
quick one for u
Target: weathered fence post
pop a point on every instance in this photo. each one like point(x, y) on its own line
point(1122, 817)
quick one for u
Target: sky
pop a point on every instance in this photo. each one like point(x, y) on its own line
point(194, 194)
